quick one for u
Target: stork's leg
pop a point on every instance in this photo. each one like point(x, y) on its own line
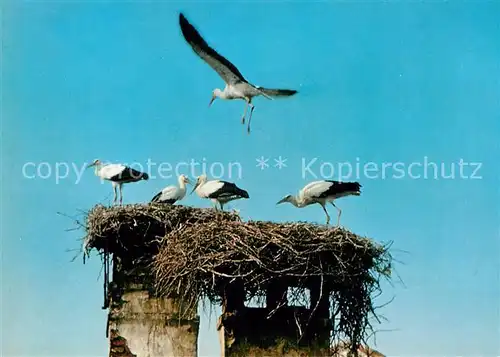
point(245, 112)
point(338, 216)
point(326, 212)
point(250, 116)
point(121, 194)
point(115, 197)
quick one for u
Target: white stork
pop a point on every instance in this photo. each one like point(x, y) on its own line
point(218, 191)
point(118, 174)
point(237, 87)
point(322, 192)
point(172, 194)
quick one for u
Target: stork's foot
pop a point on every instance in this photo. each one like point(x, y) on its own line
point(243, 119)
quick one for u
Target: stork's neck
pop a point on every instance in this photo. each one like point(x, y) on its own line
point(97, 168)
point(200, 186)
point(182, 185)
point(296, 202)
point(223, 94)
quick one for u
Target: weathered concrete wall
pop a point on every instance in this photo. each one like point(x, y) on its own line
point(150, 327)
point(277, 329)
point(250, 332)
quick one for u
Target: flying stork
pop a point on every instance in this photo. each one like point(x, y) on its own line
point(172, 194)
point(218, 191)
point(118, 174)
point(322, 192)
point(237, 87)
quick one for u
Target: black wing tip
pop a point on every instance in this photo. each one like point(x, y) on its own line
point(190, 33)
point(288, 92)
point(350, 185)
point(183, 21)
point(357, 187)
point(145, 176)
point(182, 18)
point(156, 197)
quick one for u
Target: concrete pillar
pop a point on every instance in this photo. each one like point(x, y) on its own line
point(141, 324)
point(150, 327)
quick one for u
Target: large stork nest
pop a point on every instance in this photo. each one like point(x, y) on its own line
point(119, 229)
point(194, 253)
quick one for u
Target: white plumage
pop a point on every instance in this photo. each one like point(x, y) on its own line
point(237, 87)
point(218, 191)
point(322, 192)
point(118, 174)
point(172, 194)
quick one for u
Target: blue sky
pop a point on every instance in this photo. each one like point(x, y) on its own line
point(398, 82)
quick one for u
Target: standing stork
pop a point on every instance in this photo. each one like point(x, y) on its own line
point(218, 191)
point(237, 87)
point(118, 174)
point(172, 194)
point(322, 192)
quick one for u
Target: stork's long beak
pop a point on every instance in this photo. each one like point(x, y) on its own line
point(188, 181)
point(195, 186)
point(90, 165)
point(281, 201)
point(212, 100)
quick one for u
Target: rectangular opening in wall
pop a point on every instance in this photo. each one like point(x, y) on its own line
point(298, 296)
point(256, 301)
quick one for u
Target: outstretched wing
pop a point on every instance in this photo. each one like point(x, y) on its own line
point(228, 71)
point(277, 92)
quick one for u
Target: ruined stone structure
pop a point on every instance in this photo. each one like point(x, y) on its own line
point(276, 329)
point(143, 325)
point(140, 323)
point(160, 261)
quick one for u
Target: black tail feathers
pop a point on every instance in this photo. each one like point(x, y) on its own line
point(346, 187)
point(350, 187)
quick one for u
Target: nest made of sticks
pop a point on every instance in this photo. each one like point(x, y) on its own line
point(195, 254)
point(121, 229)
point(200, 261)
